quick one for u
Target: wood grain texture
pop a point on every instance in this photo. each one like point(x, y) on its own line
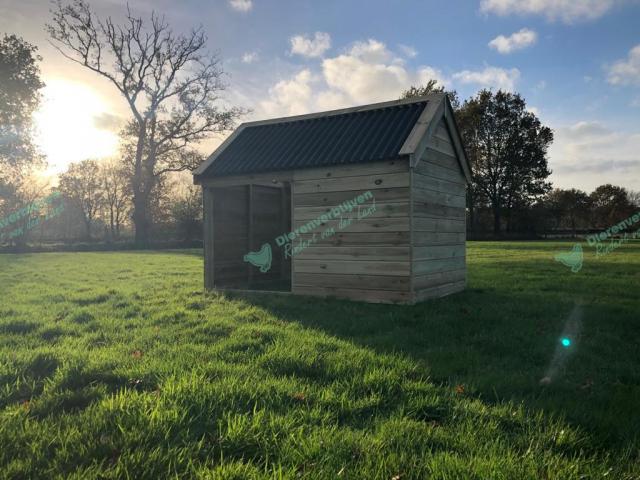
point(331, 199)
point(370, 296)
point(346, 238)
point(425, 267)
point(439, 291)
point(382, 210)
point(359, 252)
point(436, 252)
point(438, 238)
point(361, 282)
point(426, 182)
point(422, 282)
point(360, 267)
point(341, 171)
point(360, 183)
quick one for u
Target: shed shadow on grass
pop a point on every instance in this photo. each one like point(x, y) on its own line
point(499, 343)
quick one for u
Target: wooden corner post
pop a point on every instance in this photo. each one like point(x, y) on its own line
point(207, 204)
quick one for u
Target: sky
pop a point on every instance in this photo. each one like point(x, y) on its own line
point(576, 62)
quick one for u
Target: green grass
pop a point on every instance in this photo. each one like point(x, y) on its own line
point(114, 365)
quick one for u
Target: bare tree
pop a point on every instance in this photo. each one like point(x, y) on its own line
point(170, 82)
point(117, 195)
point(81, 185)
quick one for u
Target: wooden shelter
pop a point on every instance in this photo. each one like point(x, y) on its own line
point(365, 203)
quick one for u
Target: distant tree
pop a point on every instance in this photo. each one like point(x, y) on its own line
point(468, 118)
point(634, 198)
point(20, 86)
point(116, 194)
point(569, 206)
point(27, 207)
point(507, 146)
point(170, 83)
point(186, 212)
point(432, 86)
point(81, 184)
point(611, 204)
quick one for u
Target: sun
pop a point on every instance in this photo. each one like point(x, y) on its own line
point(66, 125)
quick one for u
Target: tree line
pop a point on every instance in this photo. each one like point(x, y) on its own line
point(510, 193)
point(173, 89)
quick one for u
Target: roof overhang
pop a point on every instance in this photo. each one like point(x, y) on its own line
point(437, 107)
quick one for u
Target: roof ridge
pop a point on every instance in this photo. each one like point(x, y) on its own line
point(343, 111)
point(244, 150)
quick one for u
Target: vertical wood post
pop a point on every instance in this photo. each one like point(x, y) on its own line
point(250, 242)
point(283, 227)
point(291, 226)
point(207, 202)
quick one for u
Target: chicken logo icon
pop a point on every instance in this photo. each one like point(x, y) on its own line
point(572, 259)
point(261, 259)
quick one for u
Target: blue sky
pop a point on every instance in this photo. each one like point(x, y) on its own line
point(574, 61)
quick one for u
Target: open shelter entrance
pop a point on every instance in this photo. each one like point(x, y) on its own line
point(246, 221)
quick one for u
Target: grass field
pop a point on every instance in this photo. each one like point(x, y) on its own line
point(114, 365)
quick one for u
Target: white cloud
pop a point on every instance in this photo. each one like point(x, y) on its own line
point(408, 50)
point(370, 72)
point(568, 11)
point(584, 130)
point(364, 81)
point(626, 72)
point(534, 110)
point(589, 154)
point(516, 41)
point(290, 97)
point(249, 57)
point(366, 72)
point(489, 77)
point(371, 51)
point(241, 5)
point(310, 47)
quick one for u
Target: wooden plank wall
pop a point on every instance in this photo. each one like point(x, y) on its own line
point(438, 222)
point(367, 260)
point(230, 236)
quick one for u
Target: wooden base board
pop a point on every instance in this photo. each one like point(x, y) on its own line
point(366, 296)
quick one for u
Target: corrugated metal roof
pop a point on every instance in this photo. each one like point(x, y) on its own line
point(358, 136)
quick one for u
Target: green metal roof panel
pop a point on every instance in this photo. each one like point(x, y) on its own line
point(334, 139)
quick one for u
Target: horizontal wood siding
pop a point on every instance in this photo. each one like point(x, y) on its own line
point(368, 256)
point(438, 227)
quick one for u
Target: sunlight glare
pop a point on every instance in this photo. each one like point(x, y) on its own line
point(65, 123)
